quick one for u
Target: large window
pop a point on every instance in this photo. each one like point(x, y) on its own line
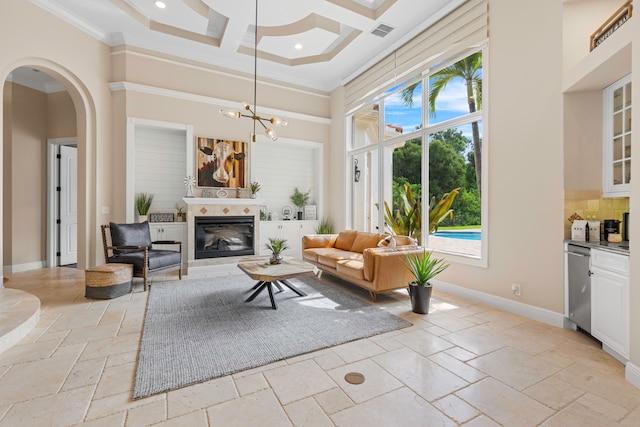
point(419, 148)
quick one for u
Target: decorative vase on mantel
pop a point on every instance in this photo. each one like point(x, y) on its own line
point(142, 218)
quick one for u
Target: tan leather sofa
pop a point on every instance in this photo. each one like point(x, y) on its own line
point(355, 257)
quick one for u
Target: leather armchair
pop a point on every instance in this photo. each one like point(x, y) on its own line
point(131, 244)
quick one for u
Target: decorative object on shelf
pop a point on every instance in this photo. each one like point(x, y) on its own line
point(160, 217)
point(287, 212)
point(255, 187)
point(574, 217)
point(424, 268)
point(222, 194)
point(143, 203)
point(252, 112)
point(325, 226)
point(206, 194)
point(181, 217)
point(276, 246)
point(356, 171)
point(612, 24)
point(189, 183)
point(221, 163)
point(263, 213)
point(300, 200)
point(310, 212)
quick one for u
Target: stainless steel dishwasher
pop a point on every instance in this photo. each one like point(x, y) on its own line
point(579, 278)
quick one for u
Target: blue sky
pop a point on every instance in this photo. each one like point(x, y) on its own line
point(451, 103)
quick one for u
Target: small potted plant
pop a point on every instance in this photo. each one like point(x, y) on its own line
point(276, 246)
point(325, 227)
point(181, 213)
point(255, 187)
point(300, 200)
point(423, 268)
point(143, 203)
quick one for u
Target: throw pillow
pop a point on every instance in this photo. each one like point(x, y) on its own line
point(389, 241)
point(364, 241)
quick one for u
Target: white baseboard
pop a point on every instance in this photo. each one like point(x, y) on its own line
point(19, 268)
point(532, 312)
point(632, 374)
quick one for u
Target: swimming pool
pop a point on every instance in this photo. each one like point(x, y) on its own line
point(464, 235)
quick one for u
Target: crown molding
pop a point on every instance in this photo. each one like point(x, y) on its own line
point(202, 99)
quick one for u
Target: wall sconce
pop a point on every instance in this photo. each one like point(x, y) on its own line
point(356, 171)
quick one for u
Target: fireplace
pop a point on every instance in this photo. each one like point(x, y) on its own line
point(224, 236)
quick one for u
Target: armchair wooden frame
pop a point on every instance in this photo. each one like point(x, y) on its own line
point(145, 270)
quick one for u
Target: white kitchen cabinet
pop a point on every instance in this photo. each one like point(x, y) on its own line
point(290, 230)
point(610, 300)
point(616, 172)
point(171, 231)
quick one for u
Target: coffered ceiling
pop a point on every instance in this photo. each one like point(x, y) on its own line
point(338, 38)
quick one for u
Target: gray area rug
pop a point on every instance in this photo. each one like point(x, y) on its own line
point(200, 329)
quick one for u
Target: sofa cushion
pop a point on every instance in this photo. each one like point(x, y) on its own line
point(319, 241)
point(364, 241)
point(311, 254)
point(330, 259)
point(345, 239)
point(351, 268)
point(135, 234)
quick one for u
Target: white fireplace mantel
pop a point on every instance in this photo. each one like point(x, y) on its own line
point(221, 201)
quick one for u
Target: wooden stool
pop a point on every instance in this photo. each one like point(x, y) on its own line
point(108, 281)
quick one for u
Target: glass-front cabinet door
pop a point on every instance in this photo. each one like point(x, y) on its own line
point(616, 171)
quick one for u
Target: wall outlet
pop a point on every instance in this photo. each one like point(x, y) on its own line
point(515, 288)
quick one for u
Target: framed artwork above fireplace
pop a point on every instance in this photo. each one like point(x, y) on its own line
point(221, 163)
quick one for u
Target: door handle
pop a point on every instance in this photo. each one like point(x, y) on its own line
point(589, 273)
point(577, 254)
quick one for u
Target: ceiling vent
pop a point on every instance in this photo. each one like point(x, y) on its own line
point(381, 30)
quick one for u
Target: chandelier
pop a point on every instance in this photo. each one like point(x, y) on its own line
point(250, 112)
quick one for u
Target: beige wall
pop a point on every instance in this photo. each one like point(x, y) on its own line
point(33, 37)
point(27, 177)
point(583, 140)
point(7, 190)
point(31, 117)
point(525, 161)
point(61, 116)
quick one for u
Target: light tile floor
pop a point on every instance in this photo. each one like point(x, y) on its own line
point(463, 364)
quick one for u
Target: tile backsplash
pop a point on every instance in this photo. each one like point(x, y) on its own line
point(590, 205)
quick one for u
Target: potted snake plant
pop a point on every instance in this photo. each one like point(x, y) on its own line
point(424, 268)
point(143, 203)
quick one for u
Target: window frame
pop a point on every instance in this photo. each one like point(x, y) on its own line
point(424, 133)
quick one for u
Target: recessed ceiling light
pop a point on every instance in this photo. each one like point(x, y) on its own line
point(160, 4)
point(298, 46)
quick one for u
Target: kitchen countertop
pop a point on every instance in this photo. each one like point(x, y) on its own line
point(619, 248)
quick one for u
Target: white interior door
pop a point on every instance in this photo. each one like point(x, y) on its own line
point(68, 205)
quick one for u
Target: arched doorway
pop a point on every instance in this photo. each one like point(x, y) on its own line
point(13, 235)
